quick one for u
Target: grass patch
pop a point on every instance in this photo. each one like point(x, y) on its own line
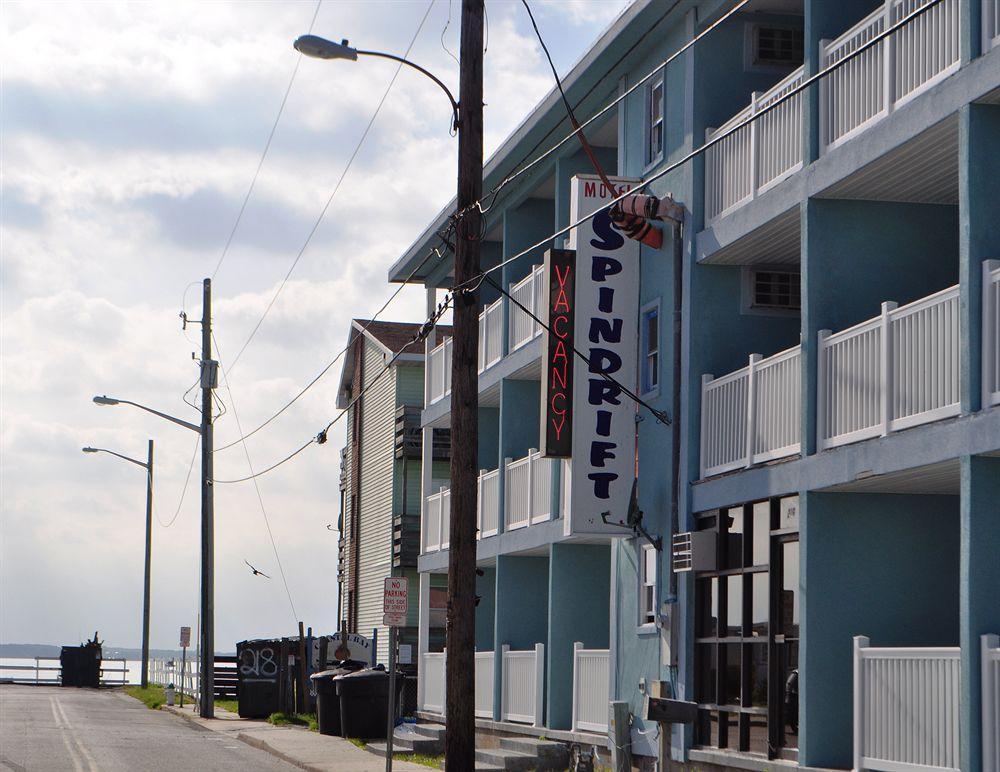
point(420, 758)
point(233, 706)
point(355, 741)
point(152, 696)
point(307, 720)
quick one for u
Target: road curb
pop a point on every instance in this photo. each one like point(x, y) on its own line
point(263, 745)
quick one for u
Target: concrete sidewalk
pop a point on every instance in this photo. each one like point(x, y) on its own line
point(296, 745)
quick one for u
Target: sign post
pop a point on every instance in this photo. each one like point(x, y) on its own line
point(185, 642)
point(395, 605)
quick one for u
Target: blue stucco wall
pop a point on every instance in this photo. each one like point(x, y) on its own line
point(881, 565)
point(486, 586)
point(978, 606)
point(520, 408)
point(489, 437)
point(522, 598)
point(580, 586)
point(523, 226)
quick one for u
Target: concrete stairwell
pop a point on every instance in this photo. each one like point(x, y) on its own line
point(413, 738)
point(523, 753)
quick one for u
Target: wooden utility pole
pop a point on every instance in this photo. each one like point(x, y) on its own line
point(460, 740)
point(208, 382)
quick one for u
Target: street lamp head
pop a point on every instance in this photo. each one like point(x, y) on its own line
point(105, 401)
point(89, 449)
point(321, 48)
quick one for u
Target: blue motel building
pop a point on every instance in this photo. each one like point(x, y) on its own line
point(829, 596)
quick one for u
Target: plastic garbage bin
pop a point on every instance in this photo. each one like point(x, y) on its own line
point(364, 702)
point(327, 702)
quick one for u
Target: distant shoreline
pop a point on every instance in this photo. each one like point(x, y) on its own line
point(32, 650)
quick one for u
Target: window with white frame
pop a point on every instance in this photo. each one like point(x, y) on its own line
point(647, 584)
point(650, 336)
point(654, 121)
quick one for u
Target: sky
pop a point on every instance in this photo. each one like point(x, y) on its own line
point(129, 136)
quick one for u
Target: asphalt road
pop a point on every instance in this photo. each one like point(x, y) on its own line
point(82, 730)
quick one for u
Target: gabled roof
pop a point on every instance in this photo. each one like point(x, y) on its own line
point(391, 337)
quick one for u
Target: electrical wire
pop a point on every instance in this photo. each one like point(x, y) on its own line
point(267, 147)
point(761, 112)
point(336, 188)
point(339, 354)
point(260, 498)
point(187, 479)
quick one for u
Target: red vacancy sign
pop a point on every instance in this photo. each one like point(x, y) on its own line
point(395, 601)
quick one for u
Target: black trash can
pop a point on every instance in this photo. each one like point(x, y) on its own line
point(259, 670)
point(364, 703)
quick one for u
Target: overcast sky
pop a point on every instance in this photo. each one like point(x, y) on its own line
point(130, 134)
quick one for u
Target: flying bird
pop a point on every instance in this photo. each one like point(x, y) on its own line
point(255, 571)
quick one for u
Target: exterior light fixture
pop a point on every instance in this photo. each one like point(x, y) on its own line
point(105, 401)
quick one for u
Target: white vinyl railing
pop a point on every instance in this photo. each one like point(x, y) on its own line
point(161, 672)
point(527, 490)
point(527, 292)
point(523, 679)
point(435, 528)
point(591, 681)
point(439, 366)
point(991, 331)
point(889, 73)
point(751, 415)
point(897, 370)
point(757, 156)
point(432, 673)
point(991, 24)
point(488, 509)
point(491, 335)
point(485, 664)
point(990, 663)
point(906, 706)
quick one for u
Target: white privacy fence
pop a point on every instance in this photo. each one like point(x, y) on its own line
point(485, 663)
point(491, 335)
point(432, 674)
point(991, 331)
point(757, 156)
point(435, 531)
point(527, 490)
point(488, 508)
point(751, 415)
point(523, 691)
point(527, 292)
point(990, 663)
point(439, 367)
point(897, 370)
point(889, 73)
point(906, 706)
point(591, 679)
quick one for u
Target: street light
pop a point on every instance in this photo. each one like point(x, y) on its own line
point(320, 48)
point(148, 466)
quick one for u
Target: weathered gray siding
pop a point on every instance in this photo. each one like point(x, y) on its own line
point(410, 384)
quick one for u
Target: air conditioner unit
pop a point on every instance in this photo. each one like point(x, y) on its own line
point(694, 551)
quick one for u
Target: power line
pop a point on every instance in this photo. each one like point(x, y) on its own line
point(260, 498)
point(336, 188)
point(320, 438)
point(340, 353)
point(267, 146)
point(187, 479)
point(806, 82)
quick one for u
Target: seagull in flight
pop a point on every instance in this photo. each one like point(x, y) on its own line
point(255, 571)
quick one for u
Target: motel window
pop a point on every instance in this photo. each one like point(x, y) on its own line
point(654, 122)
point(650, 334)
point(771, 291)
point(747, 630)
point(647, 585)
point(772, 46)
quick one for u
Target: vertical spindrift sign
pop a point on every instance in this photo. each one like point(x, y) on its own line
point(557, 353)
point(607, 309)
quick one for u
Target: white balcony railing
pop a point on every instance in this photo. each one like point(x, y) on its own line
point(523, 680)
point(434, 532)
point(527, 292)
point(897, 370)
point(488, 508)
point(432, 674)
point(757, 156)
point(989, 648)
point(439, 365)
point(890, 73)
point(991, 331)
point(590, 689)
point(527, 490)
point(485, 663)
point(906, 706)
point(991, 24)
point(751, 415)
point(491, 335)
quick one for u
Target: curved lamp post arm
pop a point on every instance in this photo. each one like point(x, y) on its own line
point(179, 421)
point(418, 68)
point(143, 464)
